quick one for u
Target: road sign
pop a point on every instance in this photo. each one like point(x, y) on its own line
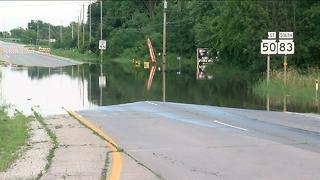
point(146, 65)
point(269, 46)
point(285, 47)
point(102, 44)
point(102, 81)
point(285, 35)
point(272, 35)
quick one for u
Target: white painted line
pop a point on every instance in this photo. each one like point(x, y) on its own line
point(231, 126)
point(7, 55)
point(152, 103)
point(305, 115)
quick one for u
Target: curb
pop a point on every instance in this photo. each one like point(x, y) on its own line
point(115, 150)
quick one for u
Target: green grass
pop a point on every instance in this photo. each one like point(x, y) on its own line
point(13, 135)
point(75, 55)
point(300, 84)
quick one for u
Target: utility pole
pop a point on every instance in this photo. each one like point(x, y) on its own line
point(83, 24)
point(165, 4)
point(78, 32)
point(90, 22)
point(37, 32)
point(61, 34)
point(49, 35)
point(72, 30)
point(101, 51)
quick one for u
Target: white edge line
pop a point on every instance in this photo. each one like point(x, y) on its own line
point(230, 125)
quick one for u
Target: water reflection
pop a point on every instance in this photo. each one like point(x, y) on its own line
point(77, 87)
point(47, 89)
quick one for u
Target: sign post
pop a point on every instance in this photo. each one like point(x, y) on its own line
point(269, 46)
point(286, 46)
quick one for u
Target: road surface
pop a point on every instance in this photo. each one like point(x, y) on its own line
point(181, 141)
point(17, 54)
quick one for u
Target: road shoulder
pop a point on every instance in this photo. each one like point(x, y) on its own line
point(33, 158)
point(80, 154)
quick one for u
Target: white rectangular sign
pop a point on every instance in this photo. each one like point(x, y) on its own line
point(269, 46)
point(272, 35)
point(285, 47)
point(102, 81)
point(285, 35)
point(102, 44)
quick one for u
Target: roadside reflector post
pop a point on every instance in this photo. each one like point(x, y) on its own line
point(317, 87)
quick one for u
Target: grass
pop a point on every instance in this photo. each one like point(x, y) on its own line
point(53, 137)
point(13, 136)
point(300, 84)
point(75, 55)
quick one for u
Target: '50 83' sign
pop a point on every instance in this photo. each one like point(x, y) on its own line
point(284, 45)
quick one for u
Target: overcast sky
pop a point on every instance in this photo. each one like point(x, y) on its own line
point(18, 13)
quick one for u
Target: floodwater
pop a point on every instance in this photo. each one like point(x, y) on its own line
point(77, 87)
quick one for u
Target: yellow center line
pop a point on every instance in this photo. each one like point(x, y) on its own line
point(114, 173)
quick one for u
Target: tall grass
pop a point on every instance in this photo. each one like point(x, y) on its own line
point(75, 55)
point(300, 84)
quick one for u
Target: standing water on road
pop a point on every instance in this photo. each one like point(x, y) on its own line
point(77, 87)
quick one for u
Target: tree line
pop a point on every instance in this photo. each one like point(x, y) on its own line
point(231, 29)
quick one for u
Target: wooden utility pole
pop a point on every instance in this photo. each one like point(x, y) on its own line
point(165, 4)
point(37, 32)
point(90, 23)
point(78, 32)
point(83, 24)
point(49, 35)
point(72, 30)
point(101, 51)
point(61, 34)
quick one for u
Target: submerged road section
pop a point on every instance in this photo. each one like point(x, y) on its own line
point(19, 55)
point(182, 141)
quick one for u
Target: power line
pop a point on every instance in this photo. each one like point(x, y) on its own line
point(32, 5)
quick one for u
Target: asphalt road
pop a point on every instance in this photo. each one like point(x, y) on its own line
point(18, 55)
point(180, 141)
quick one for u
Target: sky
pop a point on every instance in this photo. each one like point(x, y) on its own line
point(18, 13)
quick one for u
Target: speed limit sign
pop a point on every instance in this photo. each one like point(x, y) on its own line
point(269, 46)
point(285, 47)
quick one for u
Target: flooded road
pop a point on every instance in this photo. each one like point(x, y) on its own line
point(77, 88)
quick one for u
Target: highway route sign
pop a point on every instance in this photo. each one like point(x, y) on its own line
point(269, 46)
point(283, 45)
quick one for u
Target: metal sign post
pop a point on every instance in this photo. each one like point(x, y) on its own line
point(268, 70)
point(285, 46)
point(269, 46)
point(285, 64)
